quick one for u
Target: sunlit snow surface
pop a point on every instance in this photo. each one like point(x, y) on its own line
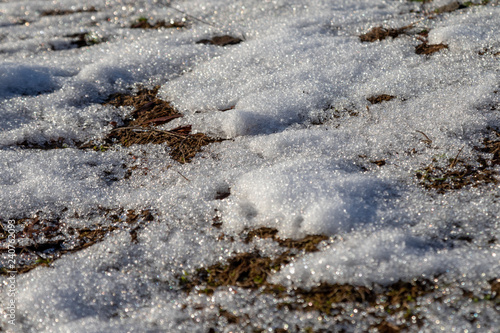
point(291, 162)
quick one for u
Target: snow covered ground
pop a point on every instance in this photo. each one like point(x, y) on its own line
point(402, 188)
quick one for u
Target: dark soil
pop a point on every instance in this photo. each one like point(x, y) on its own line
point(78, 40)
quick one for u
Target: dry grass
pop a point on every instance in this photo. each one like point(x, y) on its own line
point(84, 39)
point(380, 98)
point(251, 271)
point(221, 40)
point(495, 289)
point(246, 270)
point(308, 243)
point(49, 239)
point(59, 143)
point(60, 12)
point(143, 23)
point(457, 174)
point(393, 307)
point(150, 111)
point(427, 49)
point(380, 33)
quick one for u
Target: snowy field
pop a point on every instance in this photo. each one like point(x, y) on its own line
point(250, 166)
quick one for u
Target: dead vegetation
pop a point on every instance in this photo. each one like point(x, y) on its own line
point(308, 243)
point(380, 33)
point(380, 98)
point(427, 49)
point(487, 51)
point(40, 241)
point(85, 39)
point(251, 271)
point(245, 270)
point(456, 5)
point(143, 23)
point(495, 289)
point(457, 173)
point(60, 12)
point(150, 111)
point(77, 40)
point(393, 307)
point(378, 163)
point(59, 143)
point(330, 113)
point(221, 40)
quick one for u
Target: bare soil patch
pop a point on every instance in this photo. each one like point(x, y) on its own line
point(393, 307)
point(246, 270)
point(488, 51)
point(378, 163)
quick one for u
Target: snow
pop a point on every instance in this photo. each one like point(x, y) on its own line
point(300, 142)
point(305, 197)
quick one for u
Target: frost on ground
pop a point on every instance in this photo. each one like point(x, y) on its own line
point(218, 166)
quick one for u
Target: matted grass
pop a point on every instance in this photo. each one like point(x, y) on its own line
point(149, 112)
point(380, 98)
point(40, 241)
point(60, 12)
point(143, 23)
point(427, 49)
point(380, 33)
point(456, 173)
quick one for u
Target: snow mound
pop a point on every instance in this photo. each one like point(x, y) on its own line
point(306, 197)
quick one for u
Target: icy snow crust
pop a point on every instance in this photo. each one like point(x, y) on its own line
point(296, 160)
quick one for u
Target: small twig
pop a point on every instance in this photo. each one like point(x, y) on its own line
point(454, 163)
point(427, 139)
point(183, 176)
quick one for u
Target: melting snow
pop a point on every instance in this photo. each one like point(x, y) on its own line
point(304, 152)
